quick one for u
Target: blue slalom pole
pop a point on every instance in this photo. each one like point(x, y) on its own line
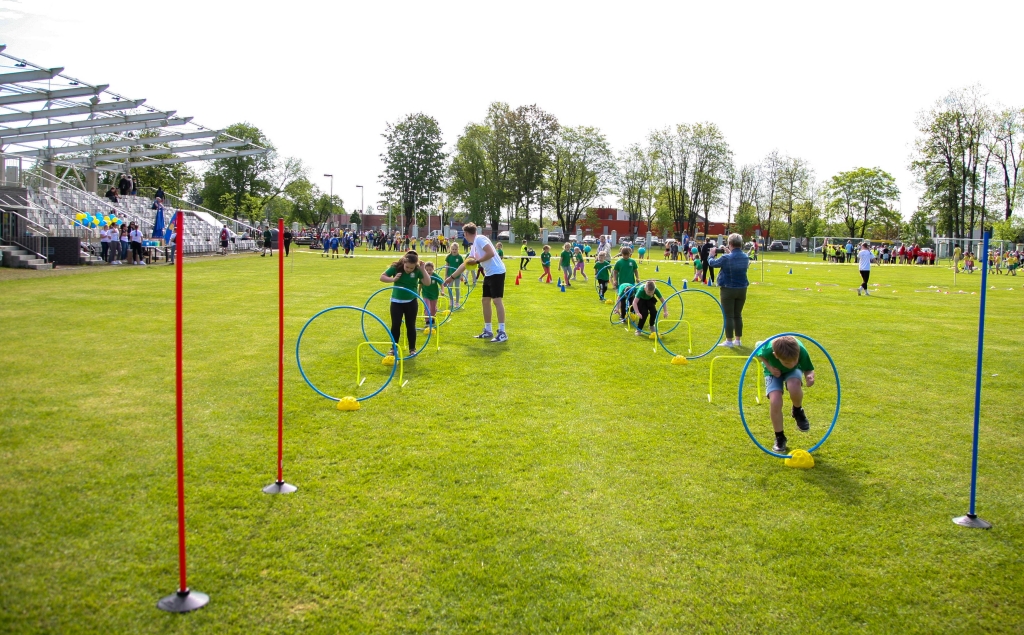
point(971, 519)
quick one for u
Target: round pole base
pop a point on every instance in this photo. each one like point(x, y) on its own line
point(972, 521)
point(280, 487)
point(183, 601)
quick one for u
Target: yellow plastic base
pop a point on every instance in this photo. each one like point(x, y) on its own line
point(609, 301)
point(652, 336)
point(801, 459)
point(388, 360)
point(348, 403)
point(679, 360)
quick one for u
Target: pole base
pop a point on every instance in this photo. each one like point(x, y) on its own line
point(279, 487)
point(183, 601)
point(972, 521)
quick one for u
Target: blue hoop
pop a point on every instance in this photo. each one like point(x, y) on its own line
point(363, 313)
point(633, 290)
point(362, 323)
point(721, 334)
point(743, 418)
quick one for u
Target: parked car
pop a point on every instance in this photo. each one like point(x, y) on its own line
point(657, 241)
point(437, 233)
point(778, 245)
point(555, 236)
point(503, 236)
point(589, 240)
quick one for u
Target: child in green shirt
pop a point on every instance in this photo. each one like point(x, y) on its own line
point(430, 293)
point(645, 304)
point(452, 262)
point(405, 273)
point(565, 262)
point(602, 271)
point(786, 363)
point(578, 256)
point(545, 261)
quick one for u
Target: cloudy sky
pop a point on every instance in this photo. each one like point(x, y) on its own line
point(838, 87)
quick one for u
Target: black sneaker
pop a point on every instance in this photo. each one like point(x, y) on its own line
point(781, 446)
point(801, 420)
point(500, 337)
point(485, 335)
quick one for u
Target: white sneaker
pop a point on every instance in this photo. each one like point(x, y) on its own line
point(858, 290)
point(866, 292)
point(736, 343)
point(727, 344)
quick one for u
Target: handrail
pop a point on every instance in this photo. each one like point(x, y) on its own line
point(199, 208)
point(99, 200)
point(15, 239)
point(37, 227)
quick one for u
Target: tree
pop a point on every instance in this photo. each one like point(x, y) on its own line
point(793, 177)
point(633, 181)
point(1007, 148)
point(746, 218)
point(355, 218)
point(578, 174)
point(765, 203)
point(672, 149)
point(532, 137)
point(414, 162)
point(865, 191)
point(712, 159)
point(243, 179)
point(525, 229)
point(311, 206)
point(472, 178)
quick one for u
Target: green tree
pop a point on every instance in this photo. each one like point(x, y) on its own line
point(414, 163)
point(578, 174)
point(532, 137)
point(862, 192)
point(239, 177)
point(746, 218)
point(472, 177)
point(633, 181)
point(355, 218)
point(711, 164)
point(525, 229)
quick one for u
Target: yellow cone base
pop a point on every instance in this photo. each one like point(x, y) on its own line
point(348, 403)
point(679, 360)
point(652, 336)
point(389, 360)
point(609, 301)
point(801, 459)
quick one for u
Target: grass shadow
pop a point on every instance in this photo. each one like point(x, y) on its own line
point(834, 481)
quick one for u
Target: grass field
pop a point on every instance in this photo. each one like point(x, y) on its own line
point(569, 480)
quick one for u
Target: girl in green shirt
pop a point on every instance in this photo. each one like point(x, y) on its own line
point(602, 271)
point(405, 273)
point(645, 304)
point(430, 293)
point(545, 261)
point(565, 262)
point(578, 256)
point(452, 263)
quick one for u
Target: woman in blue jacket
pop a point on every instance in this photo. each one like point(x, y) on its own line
point(733, 283)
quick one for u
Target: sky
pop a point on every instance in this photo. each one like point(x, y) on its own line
point(837, 84)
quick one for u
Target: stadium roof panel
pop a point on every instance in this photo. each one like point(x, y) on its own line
point(48, 115)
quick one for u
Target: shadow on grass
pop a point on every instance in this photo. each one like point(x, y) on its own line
point(835, 481)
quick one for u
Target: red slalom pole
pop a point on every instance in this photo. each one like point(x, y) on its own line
point(184, 600)
point(279, 486)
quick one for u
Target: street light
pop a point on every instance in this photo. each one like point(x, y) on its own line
point(331, 176)
point(362, 201)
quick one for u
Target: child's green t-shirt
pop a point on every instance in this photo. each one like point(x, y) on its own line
point(501, 255)
point(565, 258)
point(405, 285)
point(545, 258)
point(627, 269)
point(579, 256)
point(602, 268)
point(642, 294)
point(803, 363)
point(453, 261)
point(433, 291)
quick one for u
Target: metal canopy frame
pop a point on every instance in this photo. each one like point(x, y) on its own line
point(51, 117)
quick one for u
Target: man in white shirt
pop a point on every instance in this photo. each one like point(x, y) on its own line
point(135, 236)
point(864, 257)
point(482, 251)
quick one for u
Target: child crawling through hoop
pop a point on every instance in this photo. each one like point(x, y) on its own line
point(405, 273)
point(645, 304)
point(786, 363)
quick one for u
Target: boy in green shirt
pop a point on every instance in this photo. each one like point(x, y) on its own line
point(565, 262)
point(624, 272)
point(645, 304)
point(785, 362)
point(602, 272)
point(545, 261)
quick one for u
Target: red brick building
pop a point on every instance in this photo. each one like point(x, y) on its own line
point(617, 220)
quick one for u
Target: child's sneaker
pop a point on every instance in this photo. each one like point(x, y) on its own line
point(727, 344)
point(500, 337)
point(781, 445)
point(486, 335)
point(638, 332)
point(801, 419)
point(858, 290)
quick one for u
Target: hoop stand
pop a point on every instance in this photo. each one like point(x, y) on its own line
point(279, 486)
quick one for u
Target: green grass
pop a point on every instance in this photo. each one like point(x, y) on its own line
point(570, 480)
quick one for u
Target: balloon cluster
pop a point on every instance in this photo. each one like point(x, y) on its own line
point(97, 220)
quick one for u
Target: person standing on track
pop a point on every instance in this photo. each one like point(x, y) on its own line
point(732, 287)
point(482, 252)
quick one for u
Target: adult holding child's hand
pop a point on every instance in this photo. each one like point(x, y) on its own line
point(732, 283)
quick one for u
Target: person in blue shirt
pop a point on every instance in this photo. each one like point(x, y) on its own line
point(732, 283)
point(334, 246)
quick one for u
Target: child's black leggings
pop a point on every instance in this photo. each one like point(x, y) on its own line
point(647, 308)
point(407, 310)
point(603, 286)
point(864, 276)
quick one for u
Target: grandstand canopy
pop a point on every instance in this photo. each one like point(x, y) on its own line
point(49, 116)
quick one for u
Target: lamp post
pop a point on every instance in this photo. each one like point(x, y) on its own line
point(331, 176)
point(362, 200)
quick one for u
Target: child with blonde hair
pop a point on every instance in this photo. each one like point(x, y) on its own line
point(578, 256)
